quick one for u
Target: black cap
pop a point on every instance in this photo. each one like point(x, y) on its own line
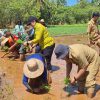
point(31, 19)
point(96, 14)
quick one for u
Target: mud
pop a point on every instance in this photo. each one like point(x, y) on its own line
point(14, 70)
point(6, 87)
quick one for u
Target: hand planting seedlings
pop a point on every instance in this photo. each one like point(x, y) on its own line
point(46, 87)
point(67, 83)
point(19, 41)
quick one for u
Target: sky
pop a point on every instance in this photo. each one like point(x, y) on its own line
point(72, 2)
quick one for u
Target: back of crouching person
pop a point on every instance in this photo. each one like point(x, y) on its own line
point(35, 73)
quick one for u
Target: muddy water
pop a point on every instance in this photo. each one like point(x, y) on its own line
point(14, 70)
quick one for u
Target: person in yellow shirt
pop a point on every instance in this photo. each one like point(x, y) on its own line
point(41, 37)
point(88, 63)
point(93, 31)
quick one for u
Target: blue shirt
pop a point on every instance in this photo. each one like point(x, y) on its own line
point(44, 75)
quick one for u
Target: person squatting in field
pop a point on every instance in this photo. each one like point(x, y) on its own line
point(9, 41)
point(27, 36)
point(15, 42)
point(88, 62)
point(35, 74)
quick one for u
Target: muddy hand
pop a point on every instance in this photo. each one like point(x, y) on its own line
point(25, 43)
point(72, 81)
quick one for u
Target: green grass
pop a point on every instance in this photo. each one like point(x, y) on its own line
point(56, 30)
point(66, 81)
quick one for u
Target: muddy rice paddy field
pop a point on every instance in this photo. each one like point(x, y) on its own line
point(14, 70)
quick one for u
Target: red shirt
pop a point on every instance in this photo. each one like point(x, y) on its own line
point(12, 39)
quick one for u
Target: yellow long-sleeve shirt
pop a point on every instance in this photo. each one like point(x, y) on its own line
point(42, 37)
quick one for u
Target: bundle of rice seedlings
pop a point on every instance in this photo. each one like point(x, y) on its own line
point(46, 87)
point(67, 83)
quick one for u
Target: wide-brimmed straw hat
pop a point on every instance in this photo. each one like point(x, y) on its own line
point(42, 20)
point(33, 68)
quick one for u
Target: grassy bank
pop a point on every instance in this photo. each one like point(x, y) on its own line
point(56, 30)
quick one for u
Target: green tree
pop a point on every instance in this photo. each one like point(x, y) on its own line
point(96, 2)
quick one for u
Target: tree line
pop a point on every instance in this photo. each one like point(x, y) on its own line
point(54, 12)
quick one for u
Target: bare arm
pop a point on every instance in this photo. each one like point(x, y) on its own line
point(83, 63)
point(81, 72)
point(68, 69)
point(12, 47)
point(49, 79)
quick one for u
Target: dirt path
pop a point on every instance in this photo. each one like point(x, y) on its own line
point(15, 71)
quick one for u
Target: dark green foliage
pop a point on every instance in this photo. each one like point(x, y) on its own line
point(53, 11)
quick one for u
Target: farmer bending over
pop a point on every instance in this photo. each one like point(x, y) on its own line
point(10, 43)
point(88, 63)
point(42, 38)
point(35, 73)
